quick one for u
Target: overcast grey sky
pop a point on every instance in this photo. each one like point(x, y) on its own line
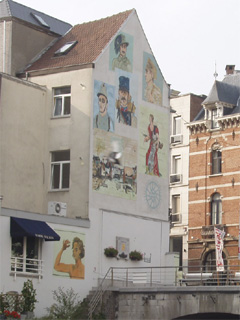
point(187, 37)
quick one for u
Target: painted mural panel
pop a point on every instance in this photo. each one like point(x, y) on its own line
point(103, 106)
point(152, 80)
point(153, 143)
point(69, 255)
point(127, 90)
point(121, 52)
point(119, 177)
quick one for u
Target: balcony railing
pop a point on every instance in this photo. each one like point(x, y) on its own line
point(26, 266)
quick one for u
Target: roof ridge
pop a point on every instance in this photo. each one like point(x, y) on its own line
point(108, 17)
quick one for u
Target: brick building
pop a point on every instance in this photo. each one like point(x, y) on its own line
point(214, 173)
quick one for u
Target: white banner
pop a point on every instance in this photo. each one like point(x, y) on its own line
point(219, 235)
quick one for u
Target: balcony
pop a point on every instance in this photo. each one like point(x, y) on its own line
point(208, 231)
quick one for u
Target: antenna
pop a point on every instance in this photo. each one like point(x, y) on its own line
point(215, 73)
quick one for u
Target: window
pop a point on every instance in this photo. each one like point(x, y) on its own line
point(210, 261)
point(65, 48)
point(216, 209)
point(62, 101)
point(26, 255)
point(214, 115)
point(176, 177)
point(60, 170)
point(176, 245)
point(216, 161)
point(176, 215)
point(176, 125)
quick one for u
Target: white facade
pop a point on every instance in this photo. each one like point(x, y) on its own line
point(184, 108)
point(126, 207)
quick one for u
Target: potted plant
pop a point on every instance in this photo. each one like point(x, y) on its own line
point(29, 299)
point(135, 255)
point(11, 314)
point(110, 252)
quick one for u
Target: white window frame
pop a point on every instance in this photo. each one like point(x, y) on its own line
point(61, 164)
point(61, 97)
point(177, 125)
point(176, 204)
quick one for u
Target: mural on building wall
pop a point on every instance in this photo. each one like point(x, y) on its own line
point(114, 175)
point(152, 80)
point(121, 52)
point(69, 255)
point(153, 142)
point(126, 110)
point(103, 106)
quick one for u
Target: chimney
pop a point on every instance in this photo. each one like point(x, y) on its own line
point(230, 69)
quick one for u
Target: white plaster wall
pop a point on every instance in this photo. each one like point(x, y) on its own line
point(49, 282)
point(146, 228)
point(69, 133)
point(22, 123)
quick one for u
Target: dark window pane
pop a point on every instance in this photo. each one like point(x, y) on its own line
point(62, 90)
point(65, 175)
point(55, 176)
point(67, 105)
point(58, 106)
point(61, 156)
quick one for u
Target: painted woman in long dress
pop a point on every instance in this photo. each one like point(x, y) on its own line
point(151, 155)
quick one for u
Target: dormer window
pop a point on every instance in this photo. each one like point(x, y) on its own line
point(65, 48)
point(214, 115)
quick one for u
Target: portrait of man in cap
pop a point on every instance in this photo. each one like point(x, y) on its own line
point(124, 104)
point(152, 92)
point(102, 119)
point(120, 47)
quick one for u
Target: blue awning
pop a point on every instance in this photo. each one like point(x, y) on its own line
point(32, 228)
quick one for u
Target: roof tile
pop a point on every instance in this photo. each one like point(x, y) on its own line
point(92, 38)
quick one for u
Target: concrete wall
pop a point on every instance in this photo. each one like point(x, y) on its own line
point(156, 305)
point(69, 133)
point(21, 46)
point(22, 144)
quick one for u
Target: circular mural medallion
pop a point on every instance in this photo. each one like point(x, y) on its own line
point(152, 195)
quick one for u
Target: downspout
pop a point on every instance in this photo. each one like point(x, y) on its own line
point(4, 45)
point(209, 138)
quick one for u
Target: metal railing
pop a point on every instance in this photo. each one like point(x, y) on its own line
point(163, 277)
point(27, 266)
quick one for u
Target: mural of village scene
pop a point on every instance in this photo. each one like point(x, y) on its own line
point(153, 142)
point(152, 80)
point(69, 255)
point(114, 165)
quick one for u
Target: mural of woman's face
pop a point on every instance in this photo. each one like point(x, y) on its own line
point(148, 75)
point(76, 251)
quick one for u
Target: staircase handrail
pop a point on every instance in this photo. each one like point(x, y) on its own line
point(97, 296)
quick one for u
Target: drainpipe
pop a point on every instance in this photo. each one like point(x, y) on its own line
point(209, 138)
point(4, 45)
